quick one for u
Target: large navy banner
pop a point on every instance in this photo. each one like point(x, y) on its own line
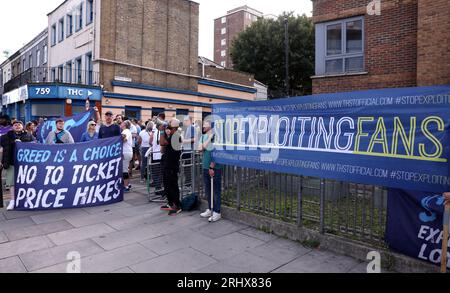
point(414, 224)
point(68, 175)
point(76, 125)
point(393, 137)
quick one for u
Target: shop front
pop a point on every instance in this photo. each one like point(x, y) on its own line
point(30, 102)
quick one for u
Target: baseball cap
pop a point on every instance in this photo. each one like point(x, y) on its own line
point(109, 113)
point(59, 120)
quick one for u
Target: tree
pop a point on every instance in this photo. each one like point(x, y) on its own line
point(260, 50)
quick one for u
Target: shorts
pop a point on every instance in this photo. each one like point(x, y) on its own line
point(127, 157)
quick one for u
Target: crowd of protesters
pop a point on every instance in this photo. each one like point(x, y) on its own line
point(158, 141)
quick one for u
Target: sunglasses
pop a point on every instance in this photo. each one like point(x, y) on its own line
point(92, 124)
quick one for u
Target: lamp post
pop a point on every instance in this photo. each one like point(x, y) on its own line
point(286, 45)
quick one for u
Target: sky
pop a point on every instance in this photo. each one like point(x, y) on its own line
point(22, 20)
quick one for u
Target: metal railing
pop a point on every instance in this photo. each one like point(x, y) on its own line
point(66, 74)
point(353, 211)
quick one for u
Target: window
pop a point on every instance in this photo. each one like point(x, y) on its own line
point(224, 20)
point(60, 73)
point(89, 11)
point(133, 112)
point(79, 17)
point(223, 64)
point(38, 58)
point(47, 110)
point(61, 30)
point(69, 72)
point(224, 31)
point(339, 47)
point(69, 21)
point(223, 53)
point(45, 54)
point(157, 111)
point(89, 68)
point(223, 42)
point(24, 64)
point(79, 72)
point(53, 35)
point(30, 61)
point(53, 75)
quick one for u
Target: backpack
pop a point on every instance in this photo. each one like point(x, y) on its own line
point(190, 203)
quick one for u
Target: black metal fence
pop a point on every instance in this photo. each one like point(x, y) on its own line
point(353, 211)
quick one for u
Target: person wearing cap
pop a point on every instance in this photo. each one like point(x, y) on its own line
point(8, 143)
point(59, 136)
point(91, 133)
point(171, 166)
point(108, 128)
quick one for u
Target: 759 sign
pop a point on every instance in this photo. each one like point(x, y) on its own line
point(42, 91)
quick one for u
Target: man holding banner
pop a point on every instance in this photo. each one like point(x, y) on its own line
point(59, 136)
point(8, 143)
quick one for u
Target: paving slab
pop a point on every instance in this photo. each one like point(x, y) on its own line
point(13, 224)
point(219, 229)
point(185, 260)
point(319, 262)
point(126, 237)
point(77, 234)
point(3, 237)
point(58, 215)
point(280, 250)
point(92, 219)
point(227, 246)
point(107, 208)
point(38, 230)
point(252, 232)
point(123, 271)
point(175, 241)
point(242, 263)
point(57, 255)
point(108, 262)
point(12, 265)
point(18, 247)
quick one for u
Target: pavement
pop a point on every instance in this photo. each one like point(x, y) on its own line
point(134, 236)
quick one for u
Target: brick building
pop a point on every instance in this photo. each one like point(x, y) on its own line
point(227, 28)
point(362, 45)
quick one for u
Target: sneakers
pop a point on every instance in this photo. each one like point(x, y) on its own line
point(174, 211)
point(10, 205)
point(127, 190)
point(215, 217)
point(206, 214)
point(166, 208)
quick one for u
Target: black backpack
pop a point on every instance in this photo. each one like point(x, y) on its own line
point(190, 203)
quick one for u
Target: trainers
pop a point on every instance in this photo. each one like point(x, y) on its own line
point(174, 211)
point(127, 190)
point(215, 217)
point(11, 205)
point(166, 208)
point(206, 214)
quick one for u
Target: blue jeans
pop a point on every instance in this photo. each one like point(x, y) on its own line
point(217, 189)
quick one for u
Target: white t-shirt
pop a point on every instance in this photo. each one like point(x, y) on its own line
point(156, 148)
point(145, 136)
point(128, 145)
point(133, 130)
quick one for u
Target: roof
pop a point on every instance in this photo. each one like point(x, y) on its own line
point(243, 8)
point(208, 62)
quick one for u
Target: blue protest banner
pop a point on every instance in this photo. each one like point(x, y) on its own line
point(414, 224)
point(392, 137)
point(68, 175)
point(76, 125)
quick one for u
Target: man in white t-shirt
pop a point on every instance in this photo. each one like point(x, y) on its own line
point(127, 153)
point(145, 140)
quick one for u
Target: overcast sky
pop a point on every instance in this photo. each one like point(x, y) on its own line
point(22, 20)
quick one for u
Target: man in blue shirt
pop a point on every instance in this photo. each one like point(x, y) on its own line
point(108, 128)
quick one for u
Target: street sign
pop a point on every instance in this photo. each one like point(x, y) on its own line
point(64, 92)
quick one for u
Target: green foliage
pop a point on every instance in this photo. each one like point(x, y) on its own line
point(260, 50)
